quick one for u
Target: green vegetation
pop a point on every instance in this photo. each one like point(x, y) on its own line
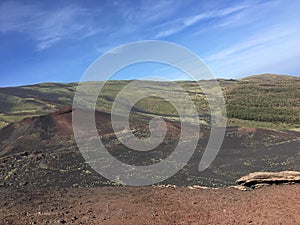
point(10, 173)
point(268, 101)
point(271, 101)
point(17, 103)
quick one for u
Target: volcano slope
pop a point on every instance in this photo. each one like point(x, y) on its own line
point(41, 152)
point(45, 180)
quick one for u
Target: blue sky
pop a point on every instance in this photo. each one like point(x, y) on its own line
point(56, 41)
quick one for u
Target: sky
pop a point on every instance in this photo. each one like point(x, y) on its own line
point(56, 41)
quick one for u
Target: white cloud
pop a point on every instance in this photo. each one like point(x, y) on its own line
point(45, 27)
point(261, 53)
point(15, 17)
point(194, 19)
point(147, 11)
point(178, 25)
point(242, 46)
point(46, 43)
point(166, 33)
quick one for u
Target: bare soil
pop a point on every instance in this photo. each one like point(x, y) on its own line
point(151, 205)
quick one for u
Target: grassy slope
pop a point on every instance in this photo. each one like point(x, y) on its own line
point(270, 101)
point(17, 103)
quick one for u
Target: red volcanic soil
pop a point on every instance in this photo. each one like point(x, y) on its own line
point(151, 205)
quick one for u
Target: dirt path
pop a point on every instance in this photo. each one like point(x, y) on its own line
point(151, 205)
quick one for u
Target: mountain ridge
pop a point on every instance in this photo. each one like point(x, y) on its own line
point(256, 102)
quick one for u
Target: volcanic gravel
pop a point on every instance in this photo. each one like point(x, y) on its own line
point(151, 205)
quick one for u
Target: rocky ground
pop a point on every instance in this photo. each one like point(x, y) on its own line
point(41, 152)
point(45, 180)
point(151, 205)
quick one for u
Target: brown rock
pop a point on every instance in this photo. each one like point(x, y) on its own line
point(258, 179)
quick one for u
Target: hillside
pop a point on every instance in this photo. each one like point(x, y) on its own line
point(41, 152)
point(44, 179)
point(272, 78)
point(37, 148)
point(18, 103)
point(270, 101)
point(265, 100)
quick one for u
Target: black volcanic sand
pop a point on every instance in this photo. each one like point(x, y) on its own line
point(150, 205)
point(41, 152)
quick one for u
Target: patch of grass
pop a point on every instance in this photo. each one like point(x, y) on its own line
point(267, 101)
point(10, 173)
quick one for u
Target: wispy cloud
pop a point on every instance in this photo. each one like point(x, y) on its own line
point(233, 37)
point(147, 11)
point(16, 17)
point(257, 52)
point(46, 27)
point(252, 13)
point(254, 41)
point(173, 27)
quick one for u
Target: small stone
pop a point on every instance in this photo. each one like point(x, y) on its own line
point(74, 218)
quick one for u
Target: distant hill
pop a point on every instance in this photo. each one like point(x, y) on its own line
point(269, 77)
point(268, 100)
point(17, 103)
